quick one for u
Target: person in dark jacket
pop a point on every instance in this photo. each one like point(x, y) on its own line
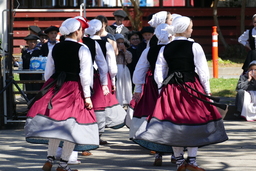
point(26, 55)
point(118, 27)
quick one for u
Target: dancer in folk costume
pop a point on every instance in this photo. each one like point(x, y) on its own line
point(61, 112)
point(146, 91)
point(157, 19)
point(184, 115)
point(112, 115)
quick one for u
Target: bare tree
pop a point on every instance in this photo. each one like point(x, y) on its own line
point(216, 22)
point(135, 19)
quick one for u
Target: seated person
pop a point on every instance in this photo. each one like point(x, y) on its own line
point(246, 93)
point(27, 54)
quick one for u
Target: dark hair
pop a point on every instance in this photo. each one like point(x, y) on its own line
point(103, 19)
point(133, 32)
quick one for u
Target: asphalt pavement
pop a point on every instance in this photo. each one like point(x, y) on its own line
point(121, 154)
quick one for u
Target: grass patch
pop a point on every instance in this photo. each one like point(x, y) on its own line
point(17, 78)
point(228, 63)
point(221, 87)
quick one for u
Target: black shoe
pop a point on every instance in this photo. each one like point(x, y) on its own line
point(102, 142)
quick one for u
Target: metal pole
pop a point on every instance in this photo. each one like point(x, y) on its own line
point(4, 63)
point(84, 8)
point(10, 95)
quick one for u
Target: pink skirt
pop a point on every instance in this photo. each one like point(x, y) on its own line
point(68, 120)
point(98, 98)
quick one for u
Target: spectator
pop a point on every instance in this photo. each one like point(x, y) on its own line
point(134, 38)
point(246, 93)
point(123, 83)
point(43, 39)
point(34, 30)
point(26, 55)
point(52, 33)
point(118, 27)
point(247, 39)
point(147, 33)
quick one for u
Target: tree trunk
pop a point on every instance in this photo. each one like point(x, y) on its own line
point(216, 22)
point(242, 16)
point(135, 19)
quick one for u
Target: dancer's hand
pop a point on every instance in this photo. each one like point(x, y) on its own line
point(136, 97)
point(88, 103)
point(105, 90)
point(113, 88)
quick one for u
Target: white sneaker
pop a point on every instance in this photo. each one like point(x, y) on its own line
point(74, 162)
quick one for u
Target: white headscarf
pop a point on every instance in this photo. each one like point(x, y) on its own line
point(175, 16)
point(158, 18)
point(70, 25)
point(163, 32)
point(253, 16)
point(94, 26)
point(180, 24)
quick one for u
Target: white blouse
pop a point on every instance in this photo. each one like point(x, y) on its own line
point(243, 39)
point(86, 69)
point(110, 58)
point(201, 66)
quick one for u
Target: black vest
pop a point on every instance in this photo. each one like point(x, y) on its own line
point(91, 45)
point(102, 44)
point(153, 41)
point(152, 56)
point(251, 40)
point(180, 58)
point(44, 49)
point(66, 57)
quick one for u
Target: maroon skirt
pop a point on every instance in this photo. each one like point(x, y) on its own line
point(179, 119)
point(146, 105)
point(179, 107)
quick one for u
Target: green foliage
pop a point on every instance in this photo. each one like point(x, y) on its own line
point(221, 87)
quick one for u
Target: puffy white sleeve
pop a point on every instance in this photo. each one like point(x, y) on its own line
point(102, 64)
point(49, 67)
point(201, 66)
point(111, 62)
point(243, 39)
point(140, 71)
point(161, 68)
point(86, 70)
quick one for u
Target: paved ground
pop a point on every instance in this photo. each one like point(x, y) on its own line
point(227, 72)
point(236, 154)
